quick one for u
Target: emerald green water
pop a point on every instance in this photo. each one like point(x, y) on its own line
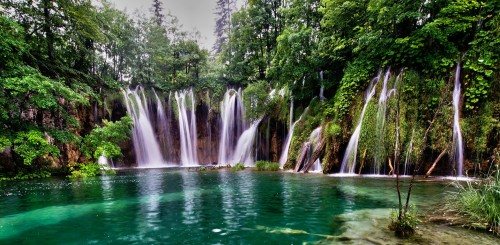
point(179, 207)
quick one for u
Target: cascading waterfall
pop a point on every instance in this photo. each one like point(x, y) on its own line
point(146, 146)
point(102, 160)
point(165, 126)
point(291, 114)
point(408, 154)
point(351, 152)
point(322, 89)
point(288, 141)
point(187, 127)
point(381, 114)
point(457, 134)
point(244, 148)
point(233, 124)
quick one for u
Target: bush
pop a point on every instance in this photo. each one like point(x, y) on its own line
point(80, 170)
point(238, 167)
point(267, 166)
point(404, 225)
point(480, 201)
point(38, 174)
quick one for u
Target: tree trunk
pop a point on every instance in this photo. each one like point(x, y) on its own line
point(47, 29)
point(391, 172)
point(429, 172)
point(304, 154)
point(315, 155)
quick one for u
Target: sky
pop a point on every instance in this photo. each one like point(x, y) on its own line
point(192, 14)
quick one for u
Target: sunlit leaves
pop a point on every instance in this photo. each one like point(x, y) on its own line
point(33, 144)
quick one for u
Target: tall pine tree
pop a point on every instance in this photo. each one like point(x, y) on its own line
point(157, 10)
point(224, 10)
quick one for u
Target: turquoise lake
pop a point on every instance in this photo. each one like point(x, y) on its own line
point(176, 206)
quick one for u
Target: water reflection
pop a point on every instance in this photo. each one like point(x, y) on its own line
point(107, 194)
point(190, 215)
point(180, 207)
point(148, 214)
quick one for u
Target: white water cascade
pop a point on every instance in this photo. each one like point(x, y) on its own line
point(381, 114)
point(288, 141)
point(349, 160)
point(457, 134)
point(103, 160)
point(164, 124)
point(187, 127)
point(322, 89)
point(146, 146)
point(244, 148)
point(408, 155)
point(233, 125)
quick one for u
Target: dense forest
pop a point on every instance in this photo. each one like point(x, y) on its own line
point(61, 59)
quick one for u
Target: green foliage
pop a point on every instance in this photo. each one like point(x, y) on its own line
point(4, 143)
point(356, 75)
point(12, 47)
point(483, 60)
point(103, 141)
point(238, 167)
point(332, 130)
point(480, 201)
point(38, 174)
point(255, 98)
point(404, 224)
point(32, 145)
point(267, 166)
point(91, 169)
point(478, 129)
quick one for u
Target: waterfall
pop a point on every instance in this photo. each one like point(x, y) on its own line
point(457, 134)
point(322, 89)
point(233, 124)
point(165, 127)
point(187, 127)
point(408, 153)
point(146, 146)
point(102, 160)
point(349, 159)
point(244, 147)
point(381, 114)
point(288, 141)
point(291, 114)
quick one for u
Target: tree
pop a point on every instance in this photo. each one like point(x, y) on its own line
point(157, 10)
point(224, 11)
point(296, 56)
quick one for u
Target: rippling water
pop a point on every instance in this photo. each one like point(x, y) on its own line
point(179, 207)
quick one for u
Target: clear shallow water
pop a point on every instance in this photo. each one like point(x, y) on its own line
point(146, 206)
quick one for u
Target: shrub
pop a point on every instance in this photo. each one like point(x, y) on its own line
point(238, 167)
point(404, 225)
point(38, 174)
point(80, 170)
point(267, 166)
point(480, 201)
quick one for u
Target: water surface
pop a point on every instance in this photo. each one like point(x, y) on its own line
point(145, 206)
